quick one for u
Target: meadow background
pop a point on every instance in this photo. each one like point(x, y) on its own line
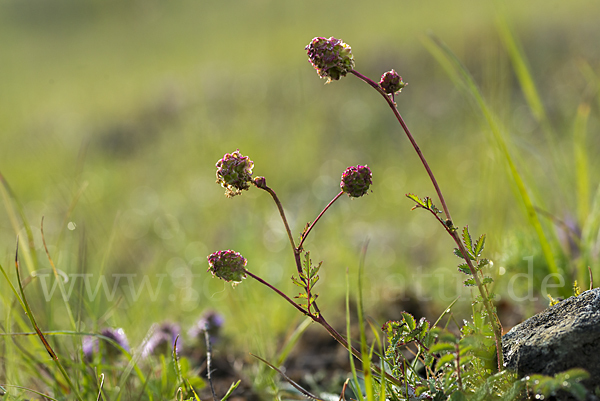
point(113, 115)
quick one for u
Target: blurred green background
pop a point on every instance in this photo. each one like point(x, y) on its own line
point(114, 113)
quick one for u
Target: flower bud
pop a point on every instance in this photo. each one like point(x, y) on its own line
point(391, 82)
point(356, 181)
point(260, 182)
point(234, 173)
point(331, 57)
point(228, 265)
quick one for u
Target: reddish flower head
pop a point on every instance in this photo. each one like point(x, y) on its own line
point(391, 82)
point(331, 57)
point(228, 265)
point(356, 181)
point(234, 173)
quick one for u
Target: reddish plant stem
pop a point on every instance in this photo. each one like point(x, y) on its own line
point(285, 222)
point(410, 138)
point(317, 219)
point(317, 317)
point(495, 322)
point(294, 304)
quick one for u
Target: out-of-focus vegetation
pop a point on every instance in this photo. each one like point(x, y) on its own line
point(113, 114)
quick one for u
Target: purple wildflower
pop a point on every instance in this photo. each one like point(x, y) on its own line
point(162, 340)
point(211, 322)
point(91, 344)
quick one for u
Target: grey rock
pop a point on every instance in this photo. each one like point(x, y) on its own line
point(562, 337)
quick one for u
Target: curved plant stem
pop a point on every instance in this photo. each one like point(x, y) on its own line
point(285, 223)
point(392, 105)
point(495, 322)
point(305, 234)
point(294, 304)
point(317, 317)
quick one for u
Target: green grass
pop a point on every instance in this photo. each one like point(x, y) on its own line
point(112, 117)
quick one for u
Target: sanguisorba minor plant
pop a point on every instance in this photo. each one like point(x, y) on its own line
point(333, 59)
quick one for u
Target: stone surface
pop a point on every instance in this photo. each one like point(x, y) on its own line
point(564, 336)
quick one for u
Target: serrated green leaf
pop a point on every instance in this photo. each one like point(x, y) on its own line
point(424, 325)
point(458, 253)
point(297, 282)
point(469, 282)
point(464, 268)
point(479, 245)
point(487, 280)
point(442, 348)
point(416, 199)
point(413, 335)
point(447, 358)
point(467, 239)
point(482, 263)
point(410, 321)
point(315, 269)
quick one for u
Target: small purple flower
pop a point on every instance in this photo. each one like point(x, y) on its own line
point(331, 57)
point(162, 340)
point(356, 181)
point(228, 265)
point(234, 173)
point(391, 82)
point(211, 322)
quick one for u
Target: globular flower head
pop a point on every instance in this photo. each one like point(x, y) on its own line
point(356, 181)
point(331, 57)
point(162, 340)
point(391, 82)
point(228, 265)
point(234, 173)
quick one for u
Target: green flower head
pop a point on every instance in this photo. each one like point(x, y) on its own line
point(331, 57)
point(228, 265)
point(234, 173)
point(356, 181)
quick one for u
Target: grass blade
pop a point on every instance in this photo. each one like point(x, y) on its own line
point(581, 161)
point(462, 78)
point(355, 381)
point(304, 392)
point(39, 332)
point(366, 355)
point(521, 69)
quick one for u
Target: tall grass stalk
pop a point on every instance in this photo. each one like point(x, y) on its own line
point(463, 79)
